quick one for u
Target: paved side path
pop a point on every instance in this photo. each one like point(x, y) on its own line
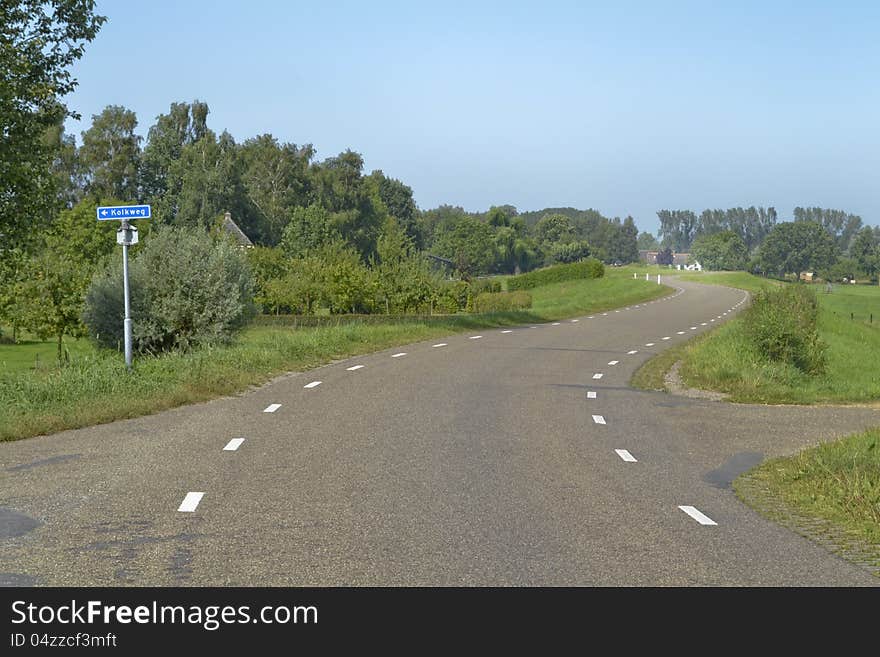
point(510, 457)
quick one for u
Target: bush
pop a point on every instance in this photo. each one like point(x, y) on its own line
point(782, 323)
point(186, 290)
point(589, 268)
point(480, 285)
point(495, 302)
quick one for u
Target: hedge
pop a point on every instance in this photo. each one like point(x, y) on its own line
point(589, 268)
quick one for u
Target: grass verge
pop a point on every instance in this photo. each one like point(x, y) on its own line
point(830, 493)
point(95, 388)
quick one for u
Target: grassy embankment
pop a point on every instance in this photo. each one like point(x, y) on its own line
point(94, 387)
point(830, 492)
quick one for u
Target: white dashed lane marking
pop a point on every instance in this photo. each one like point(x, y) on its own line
point(681, 332)
point(233, 444)
point(703, 324)
point(354, 367)
point(313, 384)
point(666, 338)
point(626, 456)
point(649, 344)
point(693, 328)
point(697, 515)
point(598, 419)
point(190, 502)
point(632, 351)
point(613, 362)
point(555, 323)
point(575, 321)
point(402, 353)
point(507, 331)
point(475, 337)
point(597, 375)
point(439, 344)
point(271, 408)
point(591, 394)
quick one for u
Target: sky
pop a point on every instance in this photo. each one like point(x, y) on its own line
point(625, 107)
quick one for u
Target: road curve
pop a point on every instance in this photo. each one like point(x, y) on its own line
point(507, 457)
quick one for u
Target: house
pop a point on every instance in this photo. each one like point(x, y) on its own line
point(231, 228)
point(650, 257)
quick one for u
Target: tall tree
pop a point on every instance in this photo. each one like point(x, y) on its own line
point(39, 42)
point(468, 243)
point(865, 250)
point(276, 178)
point(647, 242)
point(161, 176)
point(110, 154)
point(841, 225)
point(720, 251)
point(677, 228)
point(795, 247)
point(398, 201)
point(210, 172)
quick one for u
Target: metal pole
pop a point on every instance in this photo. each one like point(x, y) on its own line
point(127, 323)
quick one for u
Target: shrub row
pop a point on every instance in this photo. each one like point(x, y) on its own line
point(589, 268)
point(495, 302)
point(782, 323)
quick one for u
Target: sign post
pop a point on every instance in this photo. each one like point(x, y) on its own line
point(127, 236)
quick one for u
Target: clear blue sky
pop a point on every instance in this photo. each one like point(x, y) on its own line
point(626, 107)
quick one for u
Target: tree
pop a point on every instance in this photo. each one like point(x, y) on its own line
point(866, 250)
point(276, 179)
point(468, 243)
point(795, 247)
point(110, 155)
point(554, 228)
point(840, 225)
point(69, 179)
point(308, 230)
point(161, 176)
point(54, 281)
point(399, 203)
point(39, 42)
point(210, 174)
point(647, 242)
point(720, 251)
point(622, 245)
point(340, 188)
point(677, 228)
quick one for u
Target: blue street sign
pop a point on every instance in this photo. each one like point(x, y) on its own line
point(119, 212)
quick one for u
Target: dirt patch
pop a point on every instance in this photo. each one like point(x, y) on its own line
point(675, 386)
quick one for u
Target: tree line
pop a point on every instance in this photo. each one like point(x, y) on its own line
point(831, 242)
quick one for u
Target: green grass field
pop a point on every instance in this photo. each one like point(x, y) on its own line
point(31, 353)
point(837, 482)
point(94, 387)
point(725, 360)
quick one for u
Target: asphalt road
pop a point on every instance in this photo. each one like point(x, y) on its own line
point(485, 461)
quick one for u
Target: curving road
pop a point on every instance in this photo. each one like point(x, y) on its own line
point(511, 457)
